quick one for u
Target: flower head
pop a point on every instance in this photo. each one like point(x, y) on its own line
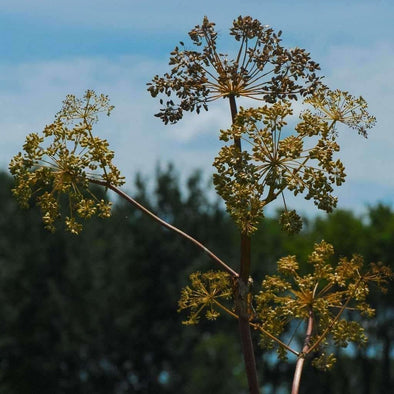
point(262, 69)
point(206, 293)
point(63, 160)
point(343, 108)
point(276, 158)
point(273, 161)
point(323, 293)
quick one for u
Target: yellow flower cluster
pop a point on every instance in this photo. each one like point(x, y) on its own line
point(276, 157)
point(63, 160)
point(323, 294)
point(320, 296)
point(205, 293)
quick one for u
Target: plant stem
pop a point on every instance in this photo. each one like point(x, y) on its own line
point(328, 329)
point(301, 359)
point(241, 297)
point(162, 222)
point(234, 111)
point(248, 354)
point(242, 309)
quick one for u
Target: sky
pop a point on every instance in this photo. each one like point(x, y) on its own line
point(51, 48)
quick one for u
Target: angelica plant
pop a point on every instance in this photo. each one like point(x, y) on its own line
point(265, 154)
point(262, 69)
point(259, 160)
point(314, 302)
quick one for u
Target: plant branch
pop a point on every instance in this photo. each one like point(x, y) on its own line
point(162, 222)
point(242, 291)
point(328, 329)
point(274, 338)
point(301, 358)
point(256, 326)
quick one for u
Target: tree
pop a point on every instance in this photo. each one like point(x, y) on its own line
point(93, 300)
point(103, 318)
point(256, 165)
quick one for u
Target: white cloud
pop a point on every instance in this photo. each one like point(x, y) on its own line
point(39, 88)
point(31, 93)
point(191, 127)
point(368, 72)
point(300, 17)
point(35, 92)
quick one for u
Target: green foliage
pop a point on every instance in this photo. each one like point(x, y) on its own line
point(97, 313)
point(63, 160)
point(69, 303)
point(213, 350)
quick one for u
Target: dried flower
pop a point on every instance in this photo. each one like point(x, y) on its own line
point(342, 107)
point(262, 69)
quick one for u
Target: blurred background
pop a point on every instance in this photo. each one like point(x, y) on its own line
point(97, 313)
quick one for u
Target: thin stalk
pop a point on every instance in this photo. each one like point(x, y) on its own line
point(241, 298)
point(301, 358)
point(234, 111)
point(162, 222)
point(328, 329)
point(256, 326)
point(274, 338)
point(248, 353)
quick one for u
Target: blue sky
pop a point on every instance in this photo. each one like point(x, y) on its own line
point(51, 48)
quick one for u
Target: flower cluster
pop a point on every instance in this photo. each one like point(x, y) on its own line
point(63, 160)
point(342, 107)
point(206, 292)
point(274, 159)
point(261, 69)
point(325, 294)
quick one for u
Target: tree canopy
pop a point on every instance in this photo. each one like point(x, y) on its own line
point(98, 313)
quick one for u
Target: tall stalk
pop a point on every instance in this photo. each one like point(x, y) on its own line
point(167, 225)
point(301, 358)
point(242, 292)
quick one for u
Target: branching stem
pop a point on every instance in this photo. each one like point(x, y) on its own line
point(301, 358)
point(162, 222)
point(257, 327)
point(328, 329)
point(241, 297)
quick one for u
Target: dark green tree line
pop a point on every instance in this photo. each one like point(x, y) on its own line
point(98, 314)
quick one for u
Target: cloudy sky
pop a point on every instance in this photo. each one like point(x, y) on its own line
point(50, 48)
